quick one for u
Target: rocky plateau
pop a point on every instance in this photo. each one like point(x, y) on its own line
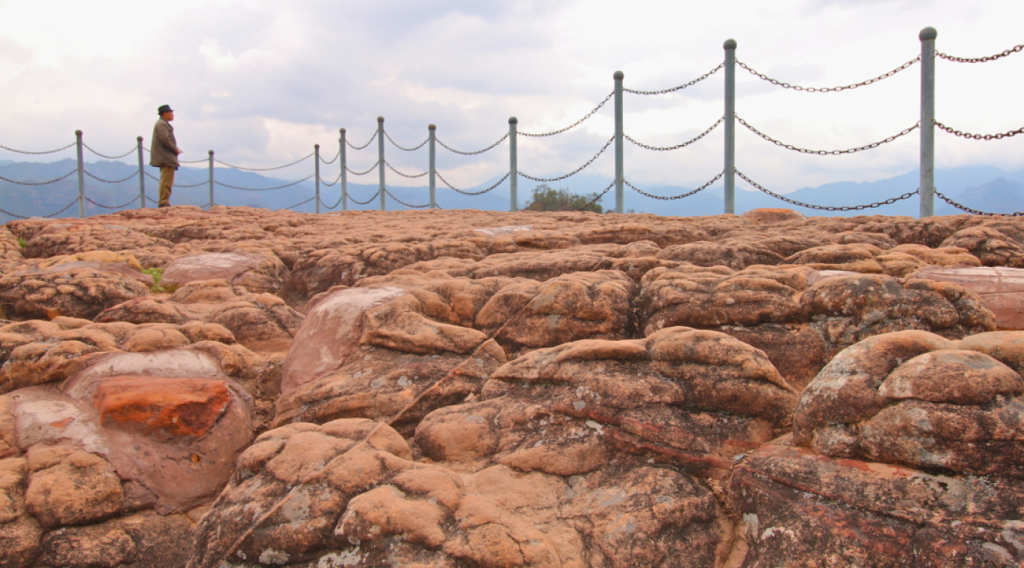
point(241, 388)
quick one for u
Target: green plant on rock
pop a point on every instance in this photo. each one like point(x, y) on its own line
point(22, 242)
point(157, 273)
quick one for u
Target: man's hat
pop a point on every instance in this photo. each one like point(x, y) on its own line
point(164, 108)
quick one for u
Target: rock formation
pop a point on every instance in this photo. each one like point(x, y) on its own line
point(241, 388)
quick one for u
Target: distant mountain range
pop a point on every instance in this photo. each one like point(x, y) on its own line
point(982, 188)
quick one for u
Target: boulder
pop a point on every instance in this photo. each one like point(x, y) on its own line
point(258, 273)
point(1001, 289)
point(80, 292)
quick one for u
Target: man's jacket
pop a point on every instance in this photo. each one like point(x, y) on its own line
point(163, 148)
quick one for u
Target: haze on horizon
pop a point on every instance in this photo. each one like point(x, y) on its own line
point(261, 82)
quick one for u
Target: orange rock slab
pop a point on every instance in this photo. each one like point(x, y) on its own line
point(175, 407)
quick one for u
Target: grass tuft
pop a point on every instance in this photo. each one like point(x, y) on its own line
point(157, 273)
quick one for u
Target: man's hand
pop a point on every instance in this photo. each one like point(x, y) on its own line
point(180, 150)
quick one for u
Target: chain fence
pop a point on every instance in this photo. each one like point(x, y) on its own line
point(410, 205)
point(680, 87)
point(153, 177)
point(967, 209)
point(298, 204)
point(904, 132)
point(674, 197)
point(354, 147)
point(475, 152)
point(300, 160)
point(467, 192)
point(355, 173)
point(677, 146)
point(574, 172)
point(97, 178)
point(575, 124)
point(330, 207)
point(264, 188)
point(998, 136)
point(38, 153)
point(875, 205)
point(112, 206)
point(35, 183)
point(986, 59)
point(333, 183)
point(410, 176)
point(785, 85)
point(15, 215)
point(106, 156)
point(597, 197)
point(332, 160)
point(367, 202)
point(396, 145)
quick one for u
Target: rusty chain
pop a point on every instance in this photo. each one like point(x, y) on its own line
point(392, 196)
point(65, 176)
point(298, 204)
point(37, 153)
point(998, 136)
point(392, 168)
point(682, 196)
point(677, 146)
point(464, 192)
point(828, 89)
point(311, 154)
point(68, 206)
point(573, 125)
point(112, 207)
point(395, 144)
point(875, 205)
point(492, 146)
point(596, 197)
point(986, 59)
point(975, 211)
point(576, 171)
point(904, 132)
point(680, 87)
point(266, 188)
point(355, 173)
point(106, 156)
point(151, 176)
point(350, 198)
point(110, 181)
point(354, 147)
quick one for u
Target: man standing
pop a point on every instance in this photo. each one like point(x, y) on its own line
point(163, 153)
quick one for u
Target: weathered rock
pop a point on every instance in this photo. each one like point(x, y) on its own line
point(74, 292)
point(68, 486)
point(771, 215)
point(990, 246)
point(10, 248)
point(258, 273)
point(850, 258)
point(65, 238)
point(1001, 289)
point(736, 256)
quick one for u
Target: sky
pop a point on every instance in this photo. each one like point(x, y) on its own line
point(260, 82)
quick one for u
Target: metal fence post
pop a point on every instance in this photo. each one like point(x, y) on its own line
point(211, 179)
point(619, 174)
point(344, 178)
point(927, 37)
point(142, 177)
point(380, 160)
point(316, 174)
point(81, 175)
point(432, 135)
point(513, 164)
point(730, 126)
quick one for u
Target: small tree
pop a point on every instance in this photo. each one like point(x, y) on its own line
point(547, 199)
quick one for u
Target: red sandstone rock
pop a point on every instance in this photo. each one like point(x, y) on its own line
point(161, 407)
point(769, 215)
point(989, 245)
point(1001, 289)
point(75, 292)
point(257, 273)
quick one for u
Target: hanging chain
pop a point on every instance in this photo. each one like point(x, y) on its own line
point(266, 188)
point(355, 173)
point(577, 170)
point(336, 180)
point(202, 161)
point(827, 152)
point(677, 146)
point(682, 196)
point(112, 207)
point(106, 156)
point(37, 154)
point(1010, 51)
point(829, 89)
point(491, 147)
point(680, 87)
point(596, 197)
point(392, 196)
point(262, 169)
point(354, 147)
point(68, 206)
point(332, 160)
point(464, 192)
point(110, 181)
point(889, 201)
point(975, 211)
point(575, 124)
point(998, 136)
point(298, 204)
point(151, 176)
point(364, 202)
point(404, 175)
point(395, 144)
point(336, 203)
point(65, 176)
